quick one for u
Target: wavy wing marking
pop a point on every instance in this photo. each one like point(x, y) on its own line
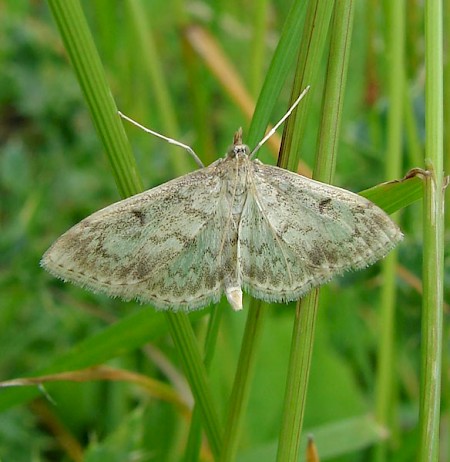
point(159, 246)
point(299, 233)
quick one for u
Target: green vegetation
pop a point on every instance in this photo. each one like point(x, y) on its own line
point(356, 365)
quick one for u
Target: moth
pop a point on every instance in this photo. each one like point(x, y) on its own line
point(235, 225)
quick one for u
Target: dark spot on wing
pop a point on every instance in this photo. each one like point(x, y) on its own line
point(323, 204)
point(139, 215)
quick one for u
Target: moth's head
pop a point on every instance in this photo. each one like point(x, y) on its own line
point(238, 150)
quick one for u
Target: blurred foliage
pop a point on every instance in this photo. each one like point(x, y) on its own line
point(52, 175)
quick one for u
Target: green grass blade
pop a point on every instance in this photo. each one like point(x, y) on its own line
point(189, 353)
point(305, 319)
point(283, 59)
point(396, 195)
point(310, 58)
point(73, 27)
point(433, 252)
point(242, 380)
point(88, 68)
point(386, 372)
point(446, 25)
point(193, 446)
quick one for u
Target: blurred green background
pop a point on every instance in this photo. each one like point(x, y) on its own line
point(53, 173)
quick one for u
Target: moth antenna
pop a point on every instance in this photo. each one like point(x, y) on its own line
point(274, 129)
point(165, 138)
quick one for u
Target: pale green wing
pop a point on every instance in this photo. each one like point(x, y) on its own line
point(161, 246)
point(297, 233)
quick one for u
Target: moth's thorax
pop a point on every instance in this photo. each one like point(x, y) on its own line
point(236, 166)
point(236, 169)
